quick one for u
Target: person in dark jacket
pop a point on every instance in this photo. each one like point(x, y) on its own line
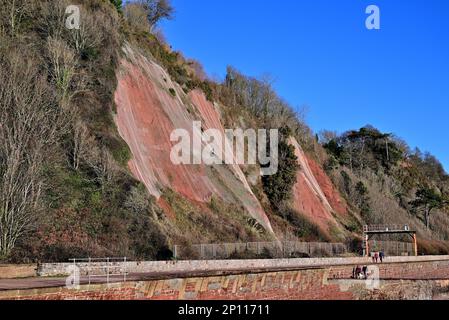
point(365, 272)
point(358, 272)
point(381, 256)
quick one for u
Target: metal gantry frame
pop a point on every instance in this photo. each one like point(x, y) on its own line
point(371, 230)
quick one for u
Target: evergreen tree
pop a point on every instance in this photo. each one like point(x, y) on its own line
point(428, 199)
point(278, 187)
point(118, 4)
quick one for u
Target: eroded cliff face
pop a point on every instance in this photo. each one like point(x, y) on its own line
point(147, 114)
point(314, 195)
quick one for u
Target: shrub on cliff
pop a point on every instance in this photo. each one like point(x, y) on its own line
point(136, 17)
point(75, 183)
point(146, 14)
point(278, 187)
point(117, 4)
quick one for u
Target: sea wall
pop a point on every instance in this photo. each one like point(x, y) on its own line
point(55, 269)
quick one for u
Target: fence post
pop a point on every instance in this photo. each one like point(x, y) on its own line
point(124, 275)
point(415, 245)
point(89, 268)
point(175, 252)
point(107, 271)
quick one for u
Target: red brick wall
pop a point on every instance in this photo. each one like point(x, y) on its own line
point(292, 285)
point(321, 284)
point(432, 270)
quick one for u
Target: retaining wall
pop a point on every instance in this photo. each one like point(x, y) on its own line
point(13, 271)
point(57, 269)
point(313, 284)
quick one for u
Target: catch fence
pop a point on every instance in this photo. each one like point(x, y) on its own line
point(254, 250)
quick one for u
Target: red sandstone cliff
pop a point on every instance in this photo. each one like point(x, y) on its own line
point(314, 196)
point(147, 113)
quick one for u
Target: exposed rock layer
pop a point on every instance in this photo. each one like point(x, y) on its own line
point(147, 114)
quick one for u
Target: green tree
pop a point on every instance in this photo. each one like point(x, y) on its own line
point(117, 4)
point(366, 148)
point(278, 187)
point(363, 200)
point(428, 200)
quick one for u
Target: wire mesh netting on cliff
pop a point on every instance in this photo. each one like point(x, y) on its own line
point(259, 250)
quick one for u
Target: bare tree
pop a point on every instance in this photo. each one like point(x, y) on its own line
point(259, 97)
point(157, 10)
point(63, 65)
point(50, 18)
point(326, 136)
point(136, 16)
point(28, 124)
point(79, 143)
point(102, 163)
point(12, 14)
point(198, 69)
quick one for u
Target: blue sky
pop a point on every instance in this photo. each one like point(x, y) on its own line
point(322, 56)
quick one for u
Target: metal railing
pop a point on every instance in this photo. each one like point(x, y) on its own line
point(99, 268)
point(386, 228)
point(284, 249)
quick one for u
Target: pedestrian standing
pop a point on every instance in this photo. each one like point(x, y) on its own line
point(381, 256)
point(365, 272)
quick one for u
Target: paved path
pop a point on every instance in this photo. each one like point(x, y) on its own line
point(35, 283)
point(52, 282)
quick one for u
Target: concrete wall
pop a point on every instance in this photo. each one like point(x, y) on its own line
point(12, 271)
point(57, 269)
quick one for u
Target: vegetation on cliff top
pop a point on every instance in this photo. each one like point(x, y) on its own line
point(387, 182)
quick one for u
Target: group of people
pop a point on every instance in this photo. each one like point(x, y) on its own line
point(361, 272)
point(378, 256)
